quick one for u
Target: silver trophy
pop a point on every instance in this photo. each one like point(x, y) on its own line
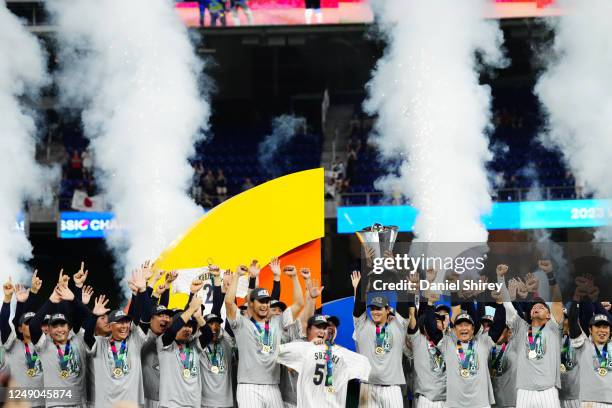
point(379, 237)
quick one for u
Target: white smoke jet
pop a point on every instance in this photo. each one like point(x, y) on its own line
point(22, 74)
point(576, 92)
point(132, 66)
point(284, 128)
point(433, 111)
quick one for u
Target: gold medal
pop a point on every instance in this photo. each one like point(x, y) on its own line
point(464, 373)
point(31, 372)
point(186, 373)
point(563, 368)
point(214, 369)
point(532, 354)
point(602, 371)
point(266, 349)
point(64, 374)
point(330, 389)
point(117, 372)
point(380, 351)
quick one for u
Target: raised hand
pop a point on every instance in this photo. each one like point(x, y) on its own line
point(532, 282)
point(196, 285)
point(36, 282)
point(65, 293)
point(100, 308)
point(139, 280)
point(275, 267)
point(147, 270)
point(521, 289)
point(501, 270)
point(63, 279)
point(86, 294)
point(81, 276)
point(305, 272)
point(8, 289)
point(21, 293)
point(355, 278)
point(160, 289)
point(155, 275)
point(195, 304)
point(55, 295)
point(290, 271)
point(545, 266)
point(313, 289)
point(171, 276)
point(254, 269)
point(214, 271)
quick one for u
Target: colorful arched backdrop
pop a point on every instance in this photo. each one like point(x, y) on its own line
point(281, 218)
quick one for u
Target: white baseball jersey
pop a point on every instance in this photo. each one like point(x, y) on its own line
point(309, 361)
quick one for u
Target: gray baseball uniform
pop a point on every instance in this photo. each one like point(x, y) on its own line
point(595, 365)
point(150, 367)
point(216, 366)
point(177, 388)
point(289, 378)
point(26, 370)
point(429, 368)
point(503, 374)
point(475, 389)
point(121, 380)
point(570, 375)
point(75, 368)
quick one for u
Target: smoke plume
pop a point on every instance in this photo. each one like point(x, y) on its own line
point(284, 129)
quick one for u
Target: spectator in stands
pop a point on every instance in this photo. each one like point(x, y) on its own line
point(87, 160)
point(196, 182)
point(209, 184)
point(221, 185)
point(330, 189)
point(351, 163)
point(76, 166)
point(248, 184)
point(338, 170)
point(206, 201)
point(355, 125)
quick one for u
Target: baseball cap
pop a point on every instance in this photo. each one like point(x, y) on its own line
point(57, 318)
point(211, 317)
point(443, 307)
point(488, 318)
point(259, 294)
point(464, 317)
point(26, 317)
point(333, 320)
point(161, 309)
point(600, 319)
point(118, 315)
point(379, 301)
point(317, 320)
point(279, 304)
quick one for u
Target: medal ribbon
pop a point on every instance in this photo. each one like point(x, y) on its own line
point(464, 358)
point(565, 350)
point(432, 346)
point(381, 335)
point(63, 356)
point(264, 335)
point(212, 355)
point(329, 363)
point(31, 358)
point(185, 356)
point(602, 358)
point(534, 341)
point(120, 357)
point(496, 359)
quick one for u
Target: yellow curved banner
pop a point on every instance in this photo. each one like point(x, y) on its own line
point(266, 221)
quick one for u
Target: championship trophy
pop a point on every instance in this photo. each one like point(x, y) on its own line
point(379, 238)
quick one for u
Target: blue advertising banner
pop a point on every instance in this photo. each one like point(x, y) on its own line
point(514, 215)
point(85, 224)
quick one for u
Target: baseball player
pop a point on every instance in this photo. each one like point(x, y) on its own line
point(466, 350)
point(324, 368)
point(569, 394)
point(594, 359)
point(257, 339)
point(179, 360)
point(215, 366)
point(429, 365)
point(25, 366)
point(502, 365)
point(381, 341)
point(539, 345)
point(61, 351)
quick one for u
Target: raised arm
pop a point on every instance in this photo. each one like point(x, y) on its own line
point(99, 309)
point(39, 317)
point(313, 291)
point(170, 334)
point(557, 300)
point(5, 328)
point(298, 296)
point(359, 306)
point(230, 297)
point(499, 322)
point(276, 284)
point(430, 325)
